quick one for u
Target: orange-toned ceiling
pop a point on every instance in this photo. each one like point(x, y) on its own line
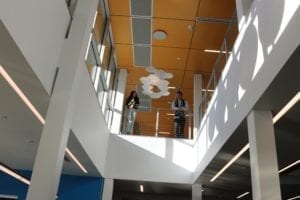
point(182, 52)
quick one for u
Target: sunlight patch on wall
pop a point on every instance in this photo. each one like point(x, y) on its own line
point(260, 55)
point(202, 144)
point(226, 115)
point(241, 92)
point(183, 155)
point(290, 8)
point(156, 146)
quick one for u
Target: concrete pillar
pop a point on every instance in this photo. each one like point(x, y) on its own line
point(49, 159)
point(242, 9)
point(263, 156)
point(108, 189)
point(197, 192)
point(119, 103)
point(197, 101)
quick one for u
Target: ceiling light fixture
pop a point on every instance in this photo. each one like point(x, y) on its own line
point(159, 35)
point(289, 166)
point(10, 172)
point(76, 161)
point(286, 108)
point(141, 188)
point(242, 195)
point(293, 198)
point(8, 196)
point(16, 88)
point(244, 149)
point(21, 94)
point(207, 90)
point(215, 51)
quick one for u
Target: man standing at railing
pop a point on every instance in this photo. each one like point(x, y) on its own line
point(180, 107)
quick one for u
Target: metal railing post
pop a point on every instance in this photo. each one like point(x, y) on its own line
point(190, 126)
point(157, 123)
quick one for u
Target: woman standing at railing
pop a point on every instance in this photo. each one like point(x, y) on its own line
point(132, 103)
point(180, 107)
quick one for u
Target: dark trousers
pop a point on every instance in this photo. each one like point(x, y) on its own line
point(179, 127)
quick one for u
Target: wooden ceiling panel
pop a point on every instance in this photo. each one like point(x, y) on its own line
point(208, 35)
point(160, 103)
point(134, 75)
point(124, 55)
point(188, 80)
point(169, 58)
point(188, 95)
point(199, 60)
point(182, 52)
point(175, 9)
point(129, 88)
point(178, 32)
point(121, 28)
point(177, 78)
point(119, 7)
point(219, 9)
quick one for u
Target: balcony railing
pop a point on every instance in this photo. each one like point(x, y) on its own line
point(159, 122)
point(219, 65)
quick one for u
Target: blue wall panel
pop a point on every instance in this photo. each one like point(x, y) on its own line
point(70, 187)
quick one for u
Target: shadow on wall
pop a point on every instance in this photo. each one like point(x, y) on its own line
point(249, 64)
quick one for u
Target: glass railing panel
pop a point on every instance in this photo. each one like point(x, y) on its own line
point(158, 123)
point(219, 65)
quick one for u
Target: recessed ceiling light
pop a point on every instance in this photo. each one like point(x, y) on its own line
point(28, 103)
point(286, 108)
point(141, 188)
point(289, 166)
point(159, 35)
point(294, 198)
point(244, 149)
point(242, 195)
point(10, 172)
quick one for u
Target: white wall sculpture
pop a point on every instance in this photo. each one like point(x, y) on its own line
point(156, 78)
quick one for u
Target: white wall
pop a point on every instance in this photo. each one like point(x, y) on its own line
point(264, 44)
point(149, 159)
point(89, 125)
point(38, 28)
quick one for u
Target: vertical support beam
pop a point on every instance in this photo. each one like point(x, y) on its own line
point(119, 102)
point(49, 159)
point(197, 192)
point(197, 101)
point(263, 156)
point(108, 189)
point(242, 9)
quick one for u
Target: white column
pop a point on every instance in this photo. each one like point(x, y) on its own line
point(49, 159)
point(263, 156)
point(242, 9)
point(197, 192)
point(119, 103)
point(108, 189)
point(197, 101)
